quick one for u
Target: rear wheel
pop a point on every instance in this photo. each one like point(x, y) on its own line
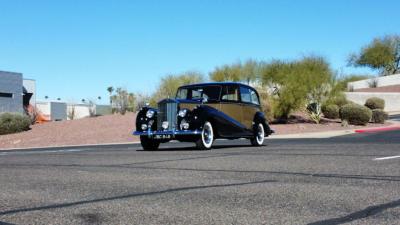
point(207, 137)
point(148, 143)
point(259, 135)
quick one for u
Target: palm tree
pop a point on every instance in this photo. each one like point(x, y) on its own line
point(110, 90)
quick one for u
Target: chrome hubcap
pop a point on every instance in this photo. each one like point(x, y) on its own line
point(260, 134)
point(208, 135)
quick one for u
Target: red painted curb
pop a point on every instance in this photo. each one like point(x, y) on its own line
point(377, 129)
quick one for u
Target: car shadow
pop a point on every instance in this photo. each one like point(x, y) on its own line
point(193, 148)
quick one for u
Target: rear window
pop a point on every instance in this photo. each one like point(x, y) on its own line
point(230, 93)
point(249, 96)
point(197, 93)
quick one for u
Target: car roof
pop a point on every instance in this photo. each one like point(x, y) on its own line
point(216, 83)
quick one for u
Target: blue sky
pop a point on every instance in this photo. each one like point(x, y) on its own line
point(76, 49)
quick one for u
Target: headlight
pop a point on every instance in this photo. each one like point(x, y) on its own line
point(150, 113)
point(184, 125)
point(165, 125)
point(182, 113)
point(144, 127)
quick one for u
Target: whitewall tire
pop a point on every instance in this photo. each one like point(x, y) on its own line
point(207, 137)
point(259, 135)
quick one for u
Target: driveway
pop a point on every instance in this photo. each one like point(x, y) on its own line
point(395, 117)
point(351, 179)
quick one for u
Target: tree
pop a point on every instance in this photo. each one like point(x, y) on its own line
point(110, 90)
point(131, 102)
point(247, 72)
point(170, 84)
point(250, 71)
point(297, 83)
point(382, 54)
point(226, 73)
point(343, 81)
point(120, 100)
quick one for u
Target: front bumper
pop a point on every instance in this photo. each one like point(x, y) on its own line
point(172, 133)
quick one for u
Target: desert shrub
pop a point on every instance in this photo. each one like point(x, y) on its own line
point(32, 112)
point(373, 83)
point(355, 114)
point(339, 100)
point(13, 123)
point(343, 82)
point(296, 83)
point(379, 116)
point(375, 103)
point(266, 104)
point(71, 112)
point(330, 111)
point(314, 112)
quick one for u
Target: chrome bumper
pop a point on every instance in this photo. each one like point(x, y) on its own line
point(168, 132)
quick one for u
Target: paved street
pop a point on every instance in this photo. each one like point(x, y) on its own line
point(352, 179)
point(395, 117)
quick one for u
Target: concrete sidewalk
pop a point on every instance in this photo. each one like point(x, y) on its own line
point(328, 134)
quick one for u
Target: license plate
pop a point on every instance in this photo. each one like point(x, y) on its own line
point(162, 136)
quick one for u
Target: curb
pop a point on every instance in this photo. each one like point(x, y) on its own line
point(377, 129)
point(68, 146)
point(313, 135)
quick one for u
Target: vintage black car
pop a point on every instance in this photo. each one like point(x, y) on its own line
point(201, 113)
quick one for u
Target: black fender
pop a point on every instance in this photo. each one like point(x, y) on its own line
point(201, 114)
point(223, 125)
point(141, 118)
point(259, 117)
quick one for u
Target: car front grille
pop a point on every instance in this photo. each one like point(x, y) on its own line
point(167, 111)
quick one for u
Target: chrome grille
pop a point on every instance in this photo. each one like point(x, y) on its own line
point(167, 111)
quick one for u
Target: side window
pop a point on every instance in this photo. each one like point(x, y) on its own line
point(196, 94)
point(230, 93)
point(254, 97)
point(245, 95)
point(182, 93)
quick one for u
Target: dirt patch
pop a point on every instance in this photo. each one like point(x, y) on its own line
point(299, 123)
point(96, 130)
point(118, 129)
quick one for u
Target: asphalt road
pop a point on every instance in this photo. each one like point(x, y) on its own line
point(395, 117)
point(302, 181)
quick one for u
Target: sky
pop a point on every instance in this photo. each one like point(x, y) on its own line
point(76, 49)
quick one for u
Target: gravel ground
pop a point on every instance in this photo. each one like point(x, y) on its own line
point(96, 130)
point(118, 129)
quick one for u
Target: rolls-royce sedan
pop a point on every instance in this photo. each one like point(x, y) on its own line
point(201, 113)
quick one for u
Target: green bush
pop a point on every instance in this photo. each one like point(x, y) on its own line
point(314, 112)
point(379, 116)
point(339, 100)
point(375, 103)
point(355, 114)
point(13, 123)
point(330, 111)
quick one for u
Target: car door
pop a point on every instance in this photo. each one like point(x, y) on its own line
point(250, 105)
point(231, 120)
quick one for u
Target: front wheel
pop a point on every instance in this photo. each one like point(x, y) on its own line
point(258, 136)
point(149, 144)
point(207, 137)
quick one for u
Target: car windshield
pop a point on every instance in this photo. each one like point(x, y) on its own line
point(197, 93)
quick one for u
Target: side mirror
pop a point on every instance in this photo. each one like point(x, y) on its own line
point(204, 100)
